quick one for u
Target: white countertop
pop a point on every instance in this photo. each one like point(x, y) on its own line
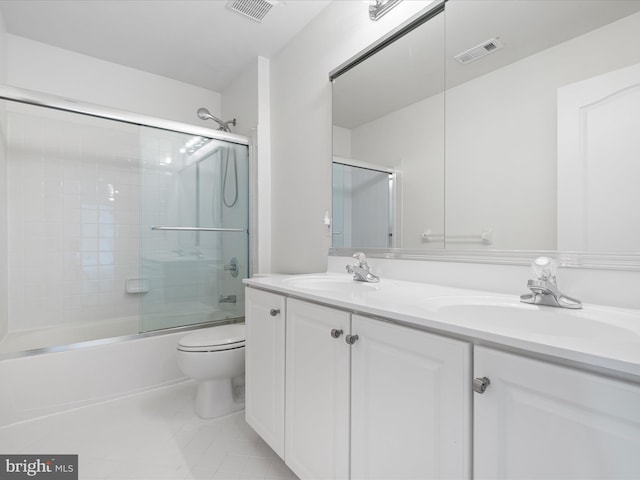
point(599, 337)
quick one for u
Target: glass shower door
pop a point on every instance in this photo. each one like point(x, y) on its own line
point(194, 237)
point(362, 207)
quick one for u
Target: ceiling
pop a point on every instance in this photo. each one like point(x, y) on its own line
point(200, 42)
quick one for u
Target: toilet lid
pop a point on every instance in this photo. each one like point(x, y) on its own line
point(224, 337)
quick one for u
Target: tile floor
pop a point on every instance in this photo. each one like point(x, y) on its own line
point(148, 436)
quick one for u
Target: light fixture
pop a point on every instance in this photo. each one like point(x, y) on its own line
point(377, 8)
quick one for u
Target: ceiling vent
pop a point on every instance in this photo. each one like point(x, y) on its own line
point(479, 51)
point(254, 9)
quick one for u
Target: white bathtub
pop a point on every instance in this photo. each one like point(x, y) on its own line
point(37, 385)
point(23, 340)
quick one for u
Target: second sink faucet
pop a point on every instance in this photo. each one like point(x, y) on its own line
point(544, 289)
point(360, 269)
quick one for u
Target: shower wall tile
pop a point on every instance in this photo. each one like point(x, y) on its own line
point(73, 216)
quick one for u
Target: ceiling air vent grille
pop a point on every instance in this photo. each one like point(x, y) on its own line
point(254, 9)
point(479, 51)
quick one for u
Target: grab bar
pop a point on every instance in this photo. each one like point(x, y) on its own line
point(198, 229)
point(485, 237)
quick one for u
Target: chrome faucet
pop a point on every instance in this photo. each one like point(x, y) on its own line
point(544, 289)
point(360, 269)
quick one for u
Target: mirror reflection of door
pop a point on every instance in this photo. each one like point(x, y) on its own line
point(362, 207)
point(598, 168)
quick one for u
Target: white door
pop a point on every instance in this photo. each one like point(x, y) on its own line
point(410, 404)
point(537, 420)
point(317, 391)
point(599, 163)
point(264, 377)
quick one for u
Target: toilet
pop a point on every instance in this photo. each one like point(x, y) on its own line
point(214, 357)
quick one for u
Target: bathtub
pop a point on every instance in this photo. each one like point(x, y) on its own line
point(41, 338)
point(56, 379)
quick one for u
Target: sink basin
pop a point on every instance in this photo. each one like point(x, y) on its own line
point(329, 283)
point(508, 315)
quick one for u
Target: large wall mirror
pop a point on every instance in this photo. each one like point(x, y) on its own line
point(506, 127)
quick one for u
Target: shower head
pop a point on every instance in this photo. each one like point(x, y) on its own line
point(205, 114)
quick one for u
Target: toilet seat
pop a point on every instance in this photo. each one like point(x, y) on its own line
point(214, 339)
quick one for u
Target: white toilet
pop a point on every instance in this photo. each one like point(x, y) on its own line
point(214, 357)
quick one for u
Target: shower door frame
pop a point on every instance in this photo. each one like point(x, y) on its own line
point(55, 102)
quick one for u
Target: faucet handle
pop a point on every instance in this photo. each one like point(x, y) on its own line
point(545, 269)
point(361, 259)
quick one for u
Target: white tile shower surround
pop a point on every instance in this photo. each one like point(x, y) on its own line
point(152, 435)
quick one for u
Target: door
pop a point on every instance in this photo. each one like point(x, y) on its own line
point(537, 420)
point(411, 404)
point(317, 391)
point(264, 375)
point(598, 168)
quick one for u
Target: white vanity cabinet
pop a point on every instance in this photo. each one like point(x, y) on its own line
point(410, 403)
point(367, 399)
point(317, 391)
point(537, 420)
point(264, 359)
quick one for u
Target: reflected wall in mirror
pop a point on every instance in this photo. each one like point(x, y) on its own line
point(383, 110)
point(541, 132)
point(540, 126)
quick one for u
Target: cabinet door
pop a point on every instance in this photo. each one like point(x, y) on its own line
point(317, 392)
point(542, 421)
point(410, 404)
point(265, 353)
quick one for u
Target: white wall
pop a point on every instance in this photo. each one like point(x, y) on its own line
point(44, 68)
point(341, 142)
point(3, 189)
point(240, 101)
point(301, 126)
point(261, 173)
point(247, 100)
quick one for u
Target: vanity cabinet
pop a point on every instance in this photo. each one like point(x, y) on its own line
point(367, 399)
point(537, 420)
point(317, 391)
point(264, 365)
point(410, 403)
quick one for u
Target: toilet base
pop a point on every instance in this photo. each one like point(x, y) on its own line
point(215, 398)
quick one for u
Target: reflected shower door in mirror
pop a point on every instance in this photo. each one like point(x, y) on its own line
point(363, 206)
point(388, 113)
point(542, 123)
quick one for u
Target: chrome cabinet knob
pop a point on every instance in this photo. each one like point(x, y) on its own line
point(480, 384)
point(351, 339)
point(274, 311)
point(335, 333)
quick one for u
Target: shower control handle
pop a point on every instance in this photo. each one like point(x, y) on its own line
point(274, 311)
point(335, 333)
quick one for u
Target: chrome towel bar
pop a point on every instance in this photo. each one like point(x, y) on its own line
point(199, 229)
